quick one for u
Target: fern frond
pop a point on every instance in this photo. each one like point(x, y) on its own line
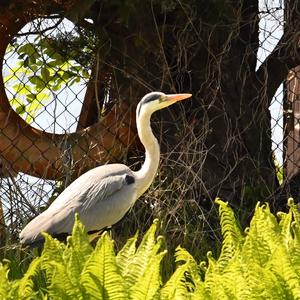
point(264, 234)
point(149, 240)
point(294, 247)
point(175, 287)
point(216, 288)
point(210, 270)
point(26, 284)
point(148, 285)
point(195, 284)
point(61, 286)
point(148, 248)
point(245, 279)
point(255, 249)
point(231, 232)
point(126, 254)
point(101, 276)
point(55, 261)
point(274, 285)
point(53, 251)
point(79, 240)
point(5, 285)
point(295, 210)
point(182, 255)
point(285, 225)
point(77, 251)
point(282, 264)
point(200, 294)
point(294, 244)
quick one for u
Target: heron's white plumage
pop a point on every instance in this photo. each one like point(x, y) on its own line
point(103, 195)
point(84, 196)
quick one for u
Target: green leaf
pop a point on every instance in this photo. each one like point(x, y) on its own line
point(21, 109)
point(231, 232)
point(175, 288)
point(126, 254)
point(36, 80)
point(45, 74)
point(148, 248)
point(28, 49)
point(148, 285)
point(52, 252)
point(77, 252)
point(26, 284)
point(5, 284)
point(101, 276)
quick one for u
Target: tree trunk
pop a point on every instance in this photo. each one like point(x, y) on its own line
point(211, 52)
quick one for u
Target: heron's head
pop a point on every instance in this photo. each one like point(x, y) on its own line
point(156, 100)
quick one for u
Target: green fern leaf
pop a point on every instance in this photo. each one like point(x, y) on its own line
point(282, 264)
point(175, 288)
point(296, 233)
point(263, 236)
point(26, 285)
point(61, 286)
point(295, 210)
point(79, 240)
point(194, 282)
point(55, 261)
point(149, 240)
point(210, 272)
point(147, 249)
point(53, 251)
point(200, 293)
point(294, 247)
point(285, 225)
point(231, 232)
point(255, 250)
point(126, 254)
point(183, 256)
point(77, 251)
point(147, 286)
point(6, 286)
point(101, 276)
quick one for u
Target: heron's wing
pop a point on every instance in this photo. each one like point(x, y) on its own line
point(86, 202)
point(102, 191)
point(60, 218)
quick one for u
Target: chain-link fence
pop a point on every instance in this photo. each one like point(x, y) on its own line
point(67, 119)
point(69, 122)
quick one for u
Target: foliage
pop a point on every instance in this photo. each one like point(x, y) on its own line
point(279, 171)
point(263, 262)
point(42, 68)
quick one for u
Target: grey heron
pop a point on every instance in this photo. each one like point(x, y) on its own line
point(103, 195)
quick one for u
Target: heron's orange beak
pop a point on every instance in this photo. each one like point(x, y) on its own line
point(172, 98)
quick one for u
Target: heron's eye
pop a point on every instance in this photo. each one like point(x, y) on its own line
point(129, 179)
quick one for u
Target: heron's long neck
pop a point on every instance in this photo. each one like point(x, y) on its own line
point(149, 168)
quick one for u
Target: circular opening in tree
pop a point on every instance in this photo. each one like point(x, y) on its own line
point(46, 70)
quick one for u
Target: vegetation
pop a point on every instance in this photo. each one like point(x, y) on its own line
point(40, 72)
point(263, 262)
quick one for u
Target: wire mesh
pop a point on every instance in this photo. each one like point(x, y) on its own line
point(47, 74)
